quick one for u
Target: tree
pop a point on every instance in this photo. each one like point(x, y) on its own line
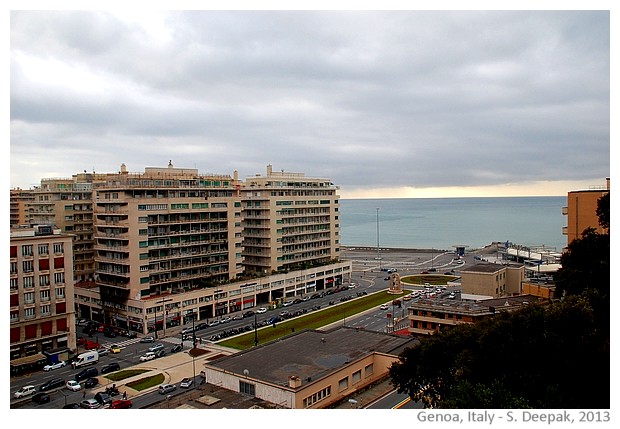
point(537, 357)
point(602, 211)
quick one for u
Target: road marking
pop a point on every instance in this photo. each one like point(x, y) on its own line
point(401, 403)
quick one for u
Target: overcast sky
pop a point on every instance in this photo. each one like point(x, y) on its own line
point(386, 104)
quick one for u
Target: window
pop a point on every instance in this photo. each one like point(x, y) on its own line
point(14, 285)
point(28, 282)
point(46, 310)
point(60, 292)
point(58, 248)
point(44, 280)
point(29, 313)
point(59, 278)
point(368, 370)
point(44, 249)
point(343, 384)
point(247, 388)
point(13, 267)
point(27, 266)
point(27, 250)
point(29, 297)
point(44, 295)
point(357, 376)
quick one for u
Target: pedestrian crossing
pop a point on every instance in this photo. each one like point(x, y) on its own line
point(125, 343)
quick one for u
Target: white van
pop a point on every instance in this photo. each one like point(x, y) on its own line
point(87, 358)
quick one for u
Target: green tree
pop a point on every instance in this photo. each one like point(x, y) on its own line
point(542, 356)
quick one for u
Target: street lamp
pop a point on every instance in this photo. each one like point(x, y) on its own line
point(255, 331)
point(161, 301)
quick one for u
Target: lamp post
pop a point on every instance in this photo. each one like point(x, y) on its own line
point(255, 331)
point(378, 252)
point(161, 301)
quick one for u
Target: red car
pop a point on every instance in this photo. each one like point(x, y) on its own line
point(121, 403)
point(89, 345)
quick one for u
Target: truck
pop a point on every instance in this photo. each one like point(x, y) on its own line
point(90, 357)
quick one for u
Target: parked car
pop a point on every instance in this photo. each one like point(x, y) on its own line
point(121, 403)
point(90, 403)
point(111, 367)
point(103, 398)
point(261, 310)
point(52, 384)
point(225, 319)
point(176, 348)
point(160, 353)
point(156, 347)
point(149, 339)
point(147, 357)
point(73, 385)
point(72, 405)
point(214, 322)
point(166, 388)
point(86, 373)
point(56, 365)
point(40, 398)
point(201, 326)
point(186, 382)
point(90, 383)
point(25, 391)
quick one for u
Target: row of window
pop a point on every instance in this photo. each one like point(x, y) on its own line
point(44, 280)
point(43, 249)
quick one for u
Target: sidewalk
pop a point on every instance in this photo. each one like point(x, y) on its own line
point(366, 397)
point(174, 367)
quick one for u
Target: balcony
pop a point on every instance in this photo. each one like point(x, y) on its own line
point(564, 230)
point(565, 211)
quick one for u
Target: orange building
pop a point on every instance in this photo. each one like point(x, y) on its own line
point(581, 211)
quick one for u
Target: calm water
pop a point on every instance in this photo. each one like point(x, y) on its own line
point(441, 223)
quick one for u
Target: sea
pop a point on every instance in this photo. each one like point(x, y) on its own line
point(443, 223)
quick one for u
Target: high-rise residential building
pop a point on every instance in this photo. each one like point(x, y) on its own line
point(290, 222)
point(20, 206)
point(164, 231)
point(67, 204)
point(170, 242)
point(41, 291)
point(581, 211)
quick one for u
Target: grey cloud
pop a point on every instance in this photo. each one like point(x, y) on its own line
point(369, 98)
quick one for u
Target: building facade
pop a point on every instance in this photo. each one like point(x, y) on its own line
point(581, 211)
point(428, 316)
point(41, 291)
point(151, 247)
point(289, 221)
point(67, 204)
point(20, 206)
point(496, 280)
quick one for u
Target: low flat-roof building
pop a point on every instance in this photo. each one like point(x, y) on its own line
point(310, 369)
point(496, 280)
point(428, 316)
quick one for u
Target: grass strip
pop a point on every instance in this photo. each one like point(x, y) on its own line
point(146, 382)
point(126, 373)
point(313, 320)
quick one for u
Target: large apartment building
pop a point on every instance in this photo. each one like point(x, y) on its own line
point(151, 248)
point(41, 291)
point(290, 221)
point(581, 211)
point(20, 206)
point(67, 204)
